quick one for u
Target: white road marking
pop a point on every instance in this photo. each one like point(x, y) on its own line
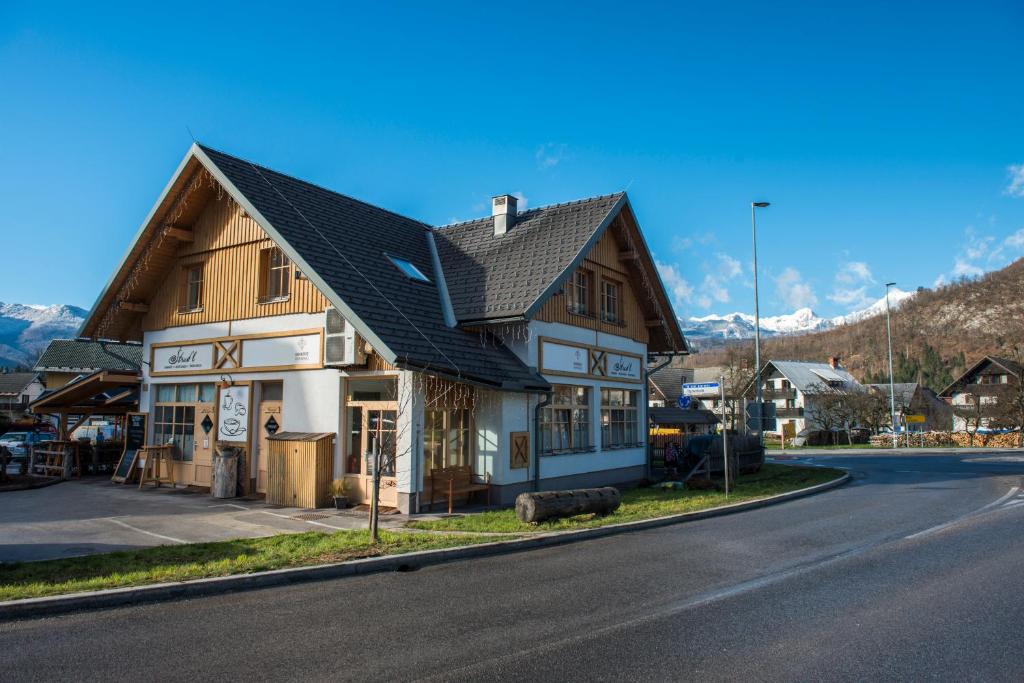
point(228, 505)
point(945, 525)
point(143, 531)
point(307, 521)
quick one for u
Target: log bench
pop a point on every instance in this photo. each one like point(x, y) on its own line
point(449, 482)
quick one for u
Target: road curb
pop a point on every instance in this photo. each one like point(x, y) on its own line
point(134, 595)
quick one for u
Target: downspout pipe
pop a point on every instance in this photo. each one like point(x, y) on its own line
point(647, 390)
point(546, 401)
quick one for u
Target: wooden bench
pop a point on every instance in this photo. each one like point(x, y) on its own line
point(449, 482)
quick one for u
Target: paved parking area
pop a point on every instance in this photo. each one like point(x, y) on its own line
point(94, 515)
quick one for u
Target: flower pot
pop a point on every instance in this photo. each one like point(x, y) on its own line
point(341, 502)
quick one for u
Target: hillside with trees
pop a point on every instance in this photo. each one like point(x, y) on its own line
point(936, 334)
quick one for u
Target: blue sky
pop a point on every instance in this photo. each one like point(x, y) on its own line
point(889, 137)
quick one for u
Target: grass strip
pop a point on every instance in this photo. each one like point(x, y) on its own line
point(170, 563)
point(647, 503)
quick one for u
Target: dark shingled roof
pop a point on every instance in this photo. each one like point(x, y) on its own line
point(493, 277)
point(345, 243)
point(86, 355)
point(669, 381)
point(904, 391)
point(12, 383)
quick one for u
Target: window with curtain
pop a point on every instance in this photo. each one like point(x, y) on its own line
point(565, 424)
point(611, 301)
point(191, 288)
point(578, 292)
point(620, 418)
point(447, 439)
point(275, 275)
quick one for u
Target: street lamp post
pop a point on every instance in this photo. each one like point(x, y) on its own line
point(757, 321)
point(892, 392)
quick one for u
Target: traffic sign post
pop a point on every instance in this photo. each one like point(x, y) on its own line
point(700, 388)
point(761, 417)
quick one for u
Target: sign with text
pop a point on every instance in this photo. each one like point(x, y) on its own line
point(623, 367)
point(565, 358)
point(586, 361)
point(916, 419)
point(233, 414)
point(183, 358)
point(295, 350)
point(272, 352)
point(701, 388)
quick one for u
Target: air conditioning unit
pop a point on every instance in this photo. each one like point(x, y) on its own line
point(342, 346)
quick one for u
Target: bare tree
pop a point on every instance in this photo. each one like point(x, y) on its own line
point(1014, 408)
point(871, 410)
point(823, 407)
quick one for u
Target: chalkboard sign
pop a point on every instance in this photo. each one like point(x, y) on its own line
point(134, 439)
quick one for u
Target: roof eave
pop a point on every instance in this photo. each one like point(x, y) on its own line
point(83, 329)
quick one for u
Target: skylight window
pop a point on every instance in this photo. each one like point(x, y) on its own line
point(411, 271)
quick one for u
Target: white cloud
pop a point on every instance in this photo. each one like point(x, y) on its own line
point(679, 289)
point(729, 267)
point(680, 244)
point(550, 154)
point(522, 200)
point(1016, 186)
point(977, 246)
point(1016, 240)
point(851, 286)
point(964, 268)
point(854, 272)
point(854, 299)
point(793, 290)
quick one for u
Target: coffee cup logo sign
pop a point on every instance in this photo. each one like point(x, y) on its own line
point(233, 414)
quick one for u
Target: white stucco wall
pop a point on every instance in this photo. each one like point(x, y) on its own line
point(311, 399)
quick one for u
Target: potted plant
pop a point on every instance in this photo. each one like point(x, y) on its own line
point(338, 489)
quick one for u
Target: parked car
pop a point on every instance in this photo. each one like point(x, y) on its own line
point(18, 442)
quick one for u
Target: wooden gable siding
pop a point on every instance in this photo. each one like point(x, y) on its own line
point(228, 244)
point(603, 261)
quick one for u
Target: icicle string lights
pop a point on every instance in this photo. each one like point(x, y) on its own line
point(128, 287)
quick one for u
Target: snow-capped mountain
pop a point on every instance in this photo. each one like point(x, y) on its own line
point(25, 330)
point(801, 321)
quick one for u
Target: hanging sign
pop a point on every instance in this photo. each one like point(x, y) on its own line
point(233, 414)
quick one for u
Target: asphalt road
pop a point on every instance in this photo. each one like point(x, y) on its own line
point(913, 571)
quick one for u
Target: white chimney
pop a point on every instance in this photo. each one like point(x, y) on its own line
point(503, 208)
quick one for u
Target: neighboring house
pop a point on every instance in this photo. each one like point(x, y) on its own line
point(17, 390)
point(515, 344)
point(913, 398)
point(665, 386)
point(797, 387)
point(980, 396)
point(65, 359)
point(664, 413)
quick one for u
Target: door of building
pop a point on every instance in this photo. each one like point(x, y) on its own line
point(270, 422)
point(372, 429)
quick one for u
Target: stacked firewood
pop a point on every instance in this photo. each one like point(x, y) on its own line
point(948, 439)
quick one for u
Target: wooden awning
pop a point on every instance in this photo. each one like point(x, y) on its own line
point(104, 392)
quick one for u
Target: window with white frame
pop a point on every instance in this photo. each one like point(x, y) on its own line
point(565, 424)
point(174, 415)
point(620, 418)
